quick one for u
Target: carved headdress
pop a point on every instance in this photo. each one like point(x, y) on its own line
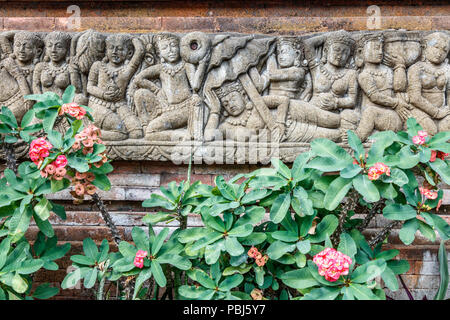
point(340, 36)
point(229, 87)
point(63, 37)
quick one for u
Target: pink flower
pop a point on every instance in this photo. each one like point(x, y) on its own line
point(61, 171)
point(73, 109)
point(90, 189)
point(377, 170)
point(80, 175)
point(141, 254)
point(139, 262)
point(418, 140)
point(422, 133)
point(79, 189)
point(429, 194)
point(433, 155)
point(50, 169)
point(61, 161)
point(262, 260)
point(373, 174)
point(39, 149)
point(252, 252)
point(438, 154)
point(332, 264)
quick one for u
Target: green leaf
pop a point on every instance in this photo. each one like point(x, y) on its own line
point(241, 231)
point(231, 282)
point(368, 271)
point(443, 272)
point(396, 211)
point(30, 266)
point(298, 166)
point(336, 191)
point(201, 277)
point(83, 260)
point(324, 293)
point(71, 279)
point(366, 188)
point(159, 241)
point(4, 249)
point(77, 163)
point(42, 209)
point(408, 159)
point(90, 248)
point(44, 291)
point(225, 189)
point(26, 120)
point(254, 195)
point(68, 94)
point(426, 231)
point(208, 239)
point(350, 171)
point(301, 203)
point(233, 247)
point(398, 266)
point(325, 228)
point(383, 139)
point(45, 226)
point(19, 284)
point(242, 269)
point(362, 293)
point(90, 278)
point(304, 246)
point(298, 279)
point(390, 279)
point(355, 143)
point(442, 169)
point(218, 208)
point(280, 207)
point(279, 248)
point(192, 234)
point(49, 119)
point(157, 200)
point(144, 275)
point(281, 168)
point(347, 245)
point(102, 182)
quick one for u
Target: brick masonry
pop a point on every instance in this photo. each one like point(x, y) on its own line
point(133, 182)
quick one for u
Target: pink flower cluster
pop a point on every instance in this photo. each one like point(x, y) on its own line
point(39, 150)
point(87, 138)
point(332, 264)
point(429, 194)
point(259, 258)
point(437, 154)
point(377, 170)
point(420, 138)
point(72, 109)
point(139, 259)
point(83, 185)
point(56, 170)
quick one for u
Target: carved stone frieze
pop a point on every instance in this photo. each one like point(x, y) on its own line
point(234, 98)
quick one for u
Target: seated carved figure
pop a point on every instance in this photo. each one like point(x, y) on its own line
point(429, 84)
point(16, 71)
point(107, 85)
point(172, 105)
point(335, 83)
point(381, 108)
point(54, 73)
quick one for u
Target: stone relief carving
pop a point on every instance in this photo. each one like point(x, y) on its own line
point(164, 96)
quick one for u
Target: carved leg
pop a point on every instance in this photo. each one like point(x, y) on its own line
point(146, 103)
point(378, 118)
point(131, 122)
point(305, 112)
point(168, 121)
point(444, 124)
point(424, 120)
point(109, 122)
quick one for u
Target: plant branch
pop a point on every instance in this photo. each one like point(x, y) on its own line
point(11, 161)
point(107, 217)
point(380, 236)
point(349, 205)
point(377, 208)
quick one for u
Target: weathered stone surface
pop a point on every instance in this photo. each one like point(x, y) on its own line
point(228, 97)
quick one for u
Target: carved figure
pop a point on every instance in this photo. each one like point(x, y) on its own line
point(16, 71)
point(107, 84)
point(428, 84)
point(172, 104)
point(54, 73)
point(381, 108)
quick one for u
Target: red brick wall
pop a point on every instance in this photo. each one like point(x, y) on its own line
point(135, 181)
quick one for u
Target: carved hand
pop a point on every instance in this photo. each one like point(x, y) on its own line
point(392, 60)
point(328, 101)
point(277, 132)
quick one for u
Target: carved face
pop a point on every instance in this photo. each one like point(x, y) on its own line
point(24, 50)
point(233, 103)
point(286, 55)
point(373, 51)
point(338, 54)
point(56, 50)
point(116, 51)
point(169, 50)
point(437, 49)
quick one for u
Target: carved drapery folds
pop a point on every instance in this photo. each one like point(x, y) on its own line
point(231, 98)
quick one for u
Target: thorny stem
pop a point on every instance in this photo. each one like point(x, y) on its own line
point(376, 209)
point(380, 236)
point(100, 288)
point(11, 161)
point(107, 217)
point(349, 205)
